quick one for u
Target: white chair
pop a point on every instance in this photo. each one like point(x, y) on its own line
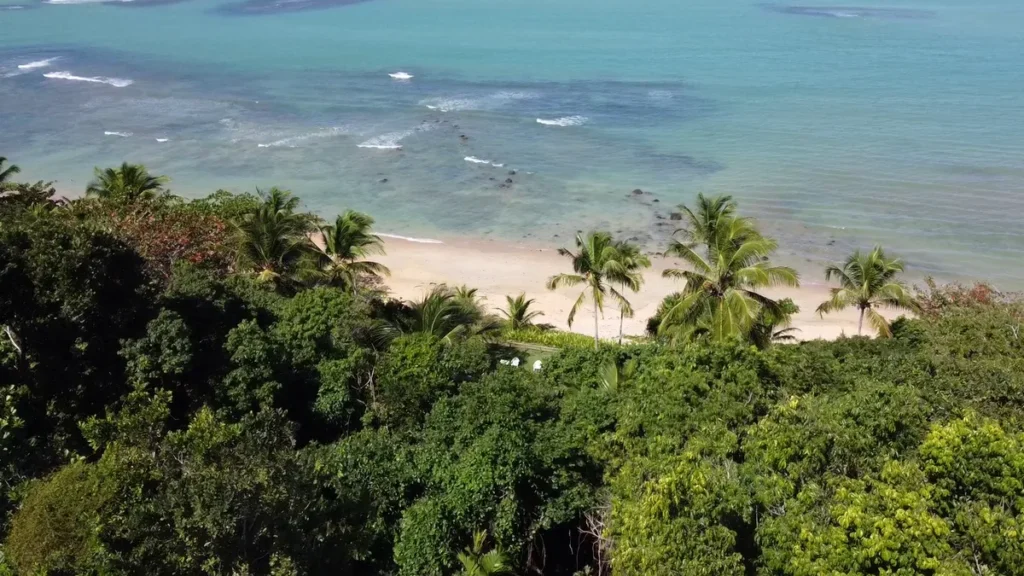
point(515, 362)
point(536, 366)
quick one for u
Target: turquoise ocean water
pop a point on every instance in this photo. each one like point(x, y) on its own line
point(837, 126)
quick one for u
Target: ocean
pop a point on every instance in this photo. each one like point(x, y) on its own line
point(898, 123)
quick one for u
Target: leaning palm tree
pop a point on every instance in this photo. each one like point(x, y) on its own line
point(868, 282)
point(596, 265)
point(517, 312)
point(129, 183)
point(6, 173)
point(476, 562)
point(271, 238)
point(346, 244)
point(721, 298)
point(634, 261)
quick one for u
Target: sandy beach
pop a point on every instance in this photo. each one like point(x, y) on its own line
point(499, 268)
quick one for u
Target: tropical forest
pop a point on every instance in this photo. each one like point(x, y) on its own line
point(226, 386)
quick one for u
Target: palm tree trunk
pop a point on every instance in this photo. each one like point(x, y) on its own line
point(597, 337)
point(860, 323)
point(621, 316)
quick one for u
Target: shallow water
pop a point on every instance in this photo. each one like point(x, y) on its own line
point(838, 126)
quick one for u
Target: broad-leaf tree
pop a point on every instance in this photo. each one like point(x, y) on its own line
point(868, 282)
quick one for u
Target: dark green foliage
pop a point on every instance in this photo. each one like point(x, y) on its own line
point(204, 422)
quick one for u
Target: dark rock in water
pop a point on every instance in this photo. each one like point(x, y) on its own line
point(492, 178)
point(456, 126)
point(659, 216)
point(511, 172)
point(556, 235)
point(266, 7)
point(383, 180)
point(830, 243)
point(655, 200)
point(675, 216)
point(508, 181)
point(463, 136)
point(638, 192)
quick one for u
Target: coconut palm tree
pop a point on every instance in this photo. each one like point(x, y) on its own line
point(441, 313)
point(129, 183)
point(476, 562)
point(6, 173)
point(596, 265)
point(346, 244)
point(702, 221)
point(517, 312)
point(773, 327)
point(272, 238)
point(721, 298)
point(634, 261)
point(868, 282)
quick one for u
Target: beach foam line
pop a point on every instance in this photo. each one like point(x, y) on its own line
point(410, 239)
point(162, 140)
point(476, 160)
point(488, 102)
point(564, 121)
point(121, 134)
point(115, 82)
point(401, 75)
point(37, 64)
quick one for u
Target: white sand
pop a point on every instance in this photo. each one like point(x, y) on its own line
point(498, 269)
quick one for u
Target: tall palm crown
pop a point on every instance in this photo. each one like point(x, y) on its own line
point(346, 244)
point(721, 298)
point(128, 183)
point(634, 261)
point(476, 562)
point(518, 313)
point(271, 238)
point(597, 265)
point(6, 173)
point(442, 313)
point(868, 282)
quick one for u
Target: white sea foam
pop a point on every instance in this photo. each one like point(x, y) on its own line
point(410, 239)
point(488, 102)
point(120, 134)
point(401, 75)
point(392, 140)
point(116, 82)
point(162, 140)
point(476, 160)
point(291, 141)
point(565, 121)
point(37, 64)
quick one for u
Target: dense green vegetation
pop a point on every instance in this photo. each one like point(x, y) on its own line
point(195, 387)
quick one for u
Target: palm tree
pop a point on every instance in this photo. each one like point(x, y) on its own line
point(596, 265)
point(634, 261)
point(441, 313)
point(772, 327)
point(702, 222)
point(476, 562)
point(518, 313)
point(129, 183)
point(272, 237)
point(6, 173)
point(868, 282)
point(346, 244)
point(720, 299)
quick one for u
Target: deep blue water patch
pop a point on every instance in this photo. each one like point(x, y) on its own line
point(269, 7)
point(851, 12)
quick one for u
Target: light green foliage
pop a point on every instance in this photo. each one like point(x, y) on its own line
point(56, 529)
point(553, 338)
point(419, 369)
point(476, 562)
point(128, 183)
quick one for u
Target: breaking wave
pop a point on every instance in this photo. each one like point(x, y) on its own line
point(565, 121)
point(116, 82)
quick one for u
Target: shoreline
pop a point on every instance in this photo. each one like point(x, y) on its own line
point(498, 268)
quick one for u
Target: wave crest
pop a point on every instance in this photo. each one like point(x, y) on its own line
point(564, 121)
point(37, 64)
point(476, 160)
point(115, 82)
